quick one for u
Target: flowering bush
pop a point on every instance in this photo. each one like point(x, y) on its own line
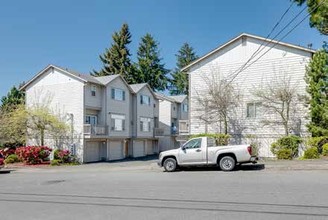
point(64, 156)
point(6, 152)
point(33, 154)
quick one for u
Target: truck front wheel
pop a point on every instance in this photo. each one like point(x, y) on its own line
point(170, 164)
point(227, 163)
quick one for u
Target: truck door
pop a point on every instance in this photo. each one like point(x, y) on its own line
point(192, 152)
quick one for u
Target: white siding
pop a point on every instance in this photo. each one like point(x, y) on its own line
point(63, 94)
point(165, 116)
point(280, 62)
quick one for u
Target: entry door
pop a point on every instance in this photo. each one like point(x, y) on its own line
point(192, 153)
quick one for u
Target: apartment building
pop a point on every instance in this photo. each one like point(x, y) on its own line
point(110, 120)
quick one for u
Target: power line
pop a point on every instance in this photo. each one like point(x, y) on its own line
point(309, 13)
point(272, 30)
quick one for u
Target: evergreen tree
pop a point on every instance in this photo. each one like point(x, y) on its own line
point(179, 82)
point(116, 59)
point(14, 98)
point(319, 14)
point(150, 68)
point(317, 88)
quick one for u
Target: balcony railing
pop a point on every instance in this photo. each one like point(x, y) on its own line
point(183, 126)
point(158, 132)
point(95, 129)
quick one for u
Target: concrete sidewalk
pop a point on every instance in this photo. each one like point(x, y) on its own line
point(151, 165)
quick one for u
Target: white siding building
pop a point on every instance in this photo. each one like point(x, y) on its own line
point(282, 61)
point(173, 121)
point(105, 113)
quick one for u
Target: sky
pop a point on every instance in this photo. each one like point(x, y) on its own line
point(73, 33)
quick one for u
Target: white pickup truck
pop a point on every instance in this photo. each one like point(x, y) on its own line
point(203, 151)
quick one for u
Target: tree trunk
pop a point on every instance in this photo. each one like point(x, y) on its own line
point(42, 137)
point(225, 124)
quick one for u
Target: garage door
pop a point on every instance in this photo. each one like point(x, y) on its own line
point(138, 149)
point(115, 150)
point(92, 152)
point(150, 147)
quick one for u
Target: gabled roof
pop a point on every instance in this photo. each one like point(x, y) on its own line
point(76, 75)
point(178, 98)
point(107, 79)
point(137, 87)
point(250, 36)
point(164, 97)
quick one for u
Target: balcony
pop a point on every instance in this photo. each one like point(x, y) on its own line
point(183, 127)
point(158, 132)
point(94, 130)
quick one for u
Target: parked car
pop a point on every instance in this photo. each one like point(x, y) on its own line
point(203, 151)
point(1, 161)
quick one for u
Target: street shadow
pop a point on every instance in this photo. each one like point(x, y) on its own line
point(129, 159)
point(243, 167)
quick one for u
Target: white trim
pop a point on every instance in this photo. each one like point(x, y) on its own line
point(245, 35)
point(45, 70)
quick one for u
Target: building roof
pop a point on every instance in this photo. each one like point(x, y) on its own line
point(250, 36)
point(102, 80)
point(106, 79)
point(164, 97)
point(178, 98)
point(137, 87)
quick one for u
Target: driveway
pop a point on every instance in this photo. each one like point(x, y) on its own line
point(140, 190)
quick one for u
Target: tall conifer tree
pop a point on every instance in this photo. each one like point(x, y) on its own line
point(179, 82)
point(150, 68)
point(116, 59)
point(317, 88)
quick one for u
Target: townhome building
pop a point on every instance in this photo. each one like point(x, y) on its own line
point(250, 63)
point(145, 111)
point(103, 113)
point(173, 126)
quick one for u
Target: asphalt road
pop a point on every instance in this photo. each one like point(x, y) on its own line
point(96, 192)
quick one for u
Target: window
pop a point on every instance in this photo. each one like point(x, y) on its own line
point(144, 100)
point(91, 119)
point(93, 90)
point(194, 143)
point(185, 108)
point(145, 124)
point(118, 122)
point(254, 110)
point(118, 94)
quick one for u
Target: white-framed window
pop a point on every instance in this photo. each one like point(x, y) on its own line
point(145, 124)
point(254, 110)
point(144, 100)
point(91, 119)
point(93, 90)
point(118, 94)
point(185, 108)
point(117, 122)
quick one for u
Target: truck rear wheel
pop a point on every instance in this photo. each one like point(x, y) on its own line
point(227, 163)
point(170, 164)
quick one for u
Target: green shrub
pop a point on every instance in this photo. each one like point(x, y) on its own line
point(220, 139)
point(317, 142)
point(325, 150)
point(55, 162)
point(255, 144)
point(290, 142)
point(12, 158)
point(285, 154)
point(311, 153)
